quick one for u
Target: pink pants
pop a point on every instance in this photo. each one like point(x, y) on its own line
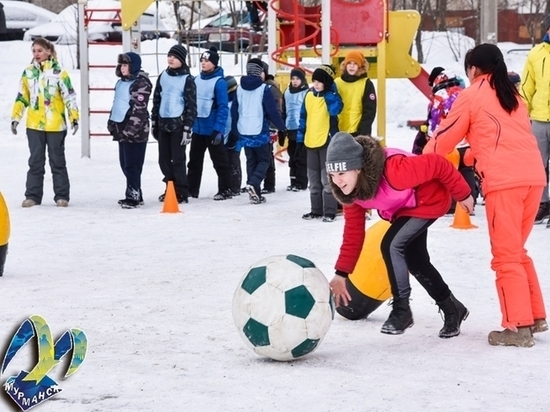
point(510, 216)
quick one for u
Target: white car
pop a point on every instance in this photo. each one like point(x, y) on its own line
point(63, 29)
point(21, 16)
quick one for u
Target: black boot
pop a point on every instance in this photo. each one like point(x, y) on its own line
point(454, 313)
point(400, 317)
point(543, 213)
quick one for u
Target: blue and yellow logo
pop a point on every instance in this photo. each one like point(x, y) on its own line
point(29, 389)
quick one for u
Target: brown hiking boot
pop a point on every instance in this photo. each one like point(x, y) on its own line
point(523, 338)
point(539, 326)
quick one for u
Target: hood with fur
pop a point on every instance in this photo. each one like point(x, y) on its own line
point(371, 173)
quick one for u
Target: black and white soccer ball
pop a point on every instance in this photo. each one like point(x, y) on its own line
point(283, 307)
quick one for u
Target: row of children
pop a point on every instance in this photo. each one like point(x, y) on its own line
point(211, 112)
point(207, 112)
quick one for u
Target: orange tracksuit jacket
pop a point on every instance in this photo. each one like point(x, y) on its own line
point(513, 177)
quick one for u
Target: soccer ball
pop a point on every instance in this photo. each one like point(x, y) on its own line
point(283, 307)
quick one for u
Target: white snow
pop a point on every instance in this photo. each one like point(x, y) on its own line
point(153, 291)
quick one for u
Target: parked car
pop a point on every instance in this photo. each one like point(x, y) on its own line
point(222, 33)
point(21, 16)
point(63, 29)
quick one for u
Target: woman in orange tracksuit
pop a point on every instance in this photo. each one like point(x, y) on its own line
point(494, 119)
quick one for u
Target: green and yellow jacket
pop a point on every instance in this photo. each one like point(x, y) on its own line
point(45, 89)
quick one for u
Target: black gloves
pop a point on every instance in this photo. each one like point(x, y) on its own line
point(186, 136)
point(231, 141)
point(154, 130)
point(282, 137)
point(216, 138)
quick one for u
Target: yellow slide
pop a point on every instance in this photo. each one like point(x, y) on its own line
point(4, 232)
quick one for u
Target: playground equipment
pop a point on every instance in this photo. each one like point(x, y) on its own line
point(4, 232)
point(306, 36)
point(384, 37)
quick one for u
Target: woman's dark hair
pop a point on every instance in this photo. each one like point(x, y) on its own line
point(489, 60)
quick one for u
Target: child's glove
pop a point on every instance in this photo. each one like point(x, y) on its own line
point(231, 142)
point(282, 137)
point(74, 127)
point(216, 138)
point(154, 130)
point(186, 136)
point(14, 126)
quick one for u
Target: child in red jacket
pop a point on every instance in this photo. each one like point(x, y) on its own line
point(409, 191)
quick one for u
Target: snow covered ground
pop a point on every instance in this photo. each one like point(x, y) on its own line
point(153, 291)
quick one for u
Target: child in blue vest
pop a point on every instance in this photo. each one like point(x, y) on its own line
point(293, 98)
point(172, 117)
point(129, 124)
point(252, 110)
point(318, 122)
point(231, 142)
point(209, 127)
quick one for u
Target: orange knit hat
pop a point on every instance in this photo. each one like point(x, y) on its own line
point(356, 57)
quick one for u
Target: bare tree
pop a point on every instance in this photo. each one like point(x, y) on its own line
point(532, 20)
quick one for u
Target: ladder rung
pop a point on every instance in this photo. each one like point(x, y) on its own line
point(109, 89)
point(100, 111)
point(99, 134)
point(102, 66)
point(105, 43)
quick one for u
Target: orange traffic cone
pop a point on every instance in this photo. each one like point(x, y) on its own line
point(462, 219)
point(170, 199)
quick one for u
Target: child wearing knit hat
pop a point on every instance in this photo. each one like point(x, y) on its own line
point(318, 123)
point(252, 110)
point(358, 95)
point(409, 191)
point(293, 97)
point(172, 116)
point(209, 127)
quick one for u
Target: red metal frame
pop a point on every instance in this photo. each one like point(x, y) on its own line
point(89, 17)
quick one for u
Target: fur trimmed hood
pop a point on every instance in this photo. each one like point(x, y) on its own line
point(371, 173)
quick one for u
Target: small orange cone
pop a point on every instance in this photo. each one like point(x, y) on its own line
point(462, 219)
point(170, 199)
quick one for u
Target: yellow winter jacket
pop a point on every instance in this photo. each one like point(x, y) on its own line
point(535, 85)
point(46, 90)
point(352, 97)
point(317, 122)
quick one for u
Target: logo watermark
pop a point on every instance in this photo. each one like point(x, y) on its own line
point(29, 389)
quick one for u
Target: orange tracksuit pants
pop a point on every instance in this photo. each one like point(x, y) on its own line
point(510, 216)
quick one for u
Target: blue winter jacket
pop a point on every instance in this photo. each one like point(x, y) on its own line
point(271, 114)
point(220, 109)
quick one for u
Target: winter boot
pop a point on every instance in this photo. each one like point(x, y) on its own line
point(543, 213)
point(129, 204)
point(223, 195)
point(539, 326)
point(523, 338)
point(454, 313)
point(400, 317)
